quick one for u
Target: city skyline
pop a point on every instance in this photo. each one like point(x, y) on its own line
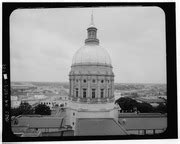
point(42, 46)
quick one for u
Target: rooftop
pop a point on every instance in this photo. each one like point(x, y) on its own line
point(134, 123)
point(98, 126)
point(41, 122)
point(150, 100)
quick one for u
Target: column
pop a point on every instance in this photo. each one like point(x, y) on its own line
point(69, 86)
point(80, 91)
point(88, 89)
point(79, 87)
point(113, 87)
point(106, 90)
point(73, 86)
point(98, 88)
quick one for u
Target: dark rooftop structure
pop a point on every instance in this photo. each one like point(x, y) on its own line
point(37, 126)
point(41, 121)
point(98, 126)
point(149, 123)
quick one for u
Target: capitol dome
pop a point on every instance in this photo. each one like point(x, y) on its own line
point(91, 81)
point(91, 54)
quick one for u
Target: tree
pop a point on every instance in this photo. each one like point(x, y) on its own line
point(144, 107)
point(126, 103)
point(161, 108)
point(131, 105)
point(24, 109)
point(42, 109)
point(15, 112)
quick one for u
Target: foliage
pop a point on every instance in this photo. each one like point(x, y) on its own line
point(161, 108)
point(15, 112)
point(126, 104)
point(145, 107)
point(42, 109)
point(23, 109)
point(130, 105)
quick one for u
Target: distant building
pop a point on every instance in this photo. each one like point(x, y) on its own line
point(152, 101)
point(55, 101)
point(15, 102)
point(117, 94)
point(22, 86)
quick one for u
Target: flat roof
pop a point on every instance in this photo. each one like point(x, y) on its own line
point(135, 123)
point(152, 100)
point(98, 126)
point(41, 122)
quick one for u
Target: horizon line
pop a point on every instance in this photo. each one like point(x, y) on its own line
point(114, 83)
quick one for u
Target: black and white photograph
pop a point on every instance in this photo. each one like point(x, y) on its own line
point(88, 71)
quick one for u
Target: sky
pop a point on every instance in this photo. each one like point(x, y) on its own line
point(43, 42)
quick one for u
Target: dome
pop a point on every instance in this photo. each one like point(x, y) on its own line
point(91, 54)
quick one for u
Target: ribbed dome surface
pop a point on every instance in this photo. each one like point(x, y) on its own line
point(91, 54)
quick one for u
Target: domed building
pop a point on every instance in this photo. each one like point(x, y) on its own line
point(91, 81)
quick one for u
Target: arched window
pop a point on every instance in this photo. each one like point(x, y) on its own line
point(84, 80)
point(93, 80)
point(102, 81)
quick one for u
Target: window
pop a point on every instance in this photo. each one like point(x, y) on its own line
point(73, 114)
point(102, 81)
point(84, 93)
point(108, 92)
point(102, 93)
point(77, 80)
point(84, 81)
point(108, 81)
point(91, 34)
point(93, 81)
point(76, 92)
point(93, 93)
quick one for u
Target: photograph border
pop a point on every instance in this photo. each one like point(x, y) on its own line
point(170, 22)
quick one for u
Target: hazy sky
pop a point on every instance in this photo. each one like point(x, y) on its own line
point(43, 42)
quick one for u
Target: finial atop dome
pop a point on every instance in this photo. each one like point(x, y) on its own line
point(92, 19)
point(92, 30)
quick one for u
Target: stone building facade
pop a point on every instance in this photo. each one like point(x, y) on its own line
point(91, 81)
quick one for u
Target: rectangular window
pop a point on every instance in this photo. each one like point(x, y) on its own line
point(93, 93)
point(84, 93)
point(76, 92)
point(102, 93)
